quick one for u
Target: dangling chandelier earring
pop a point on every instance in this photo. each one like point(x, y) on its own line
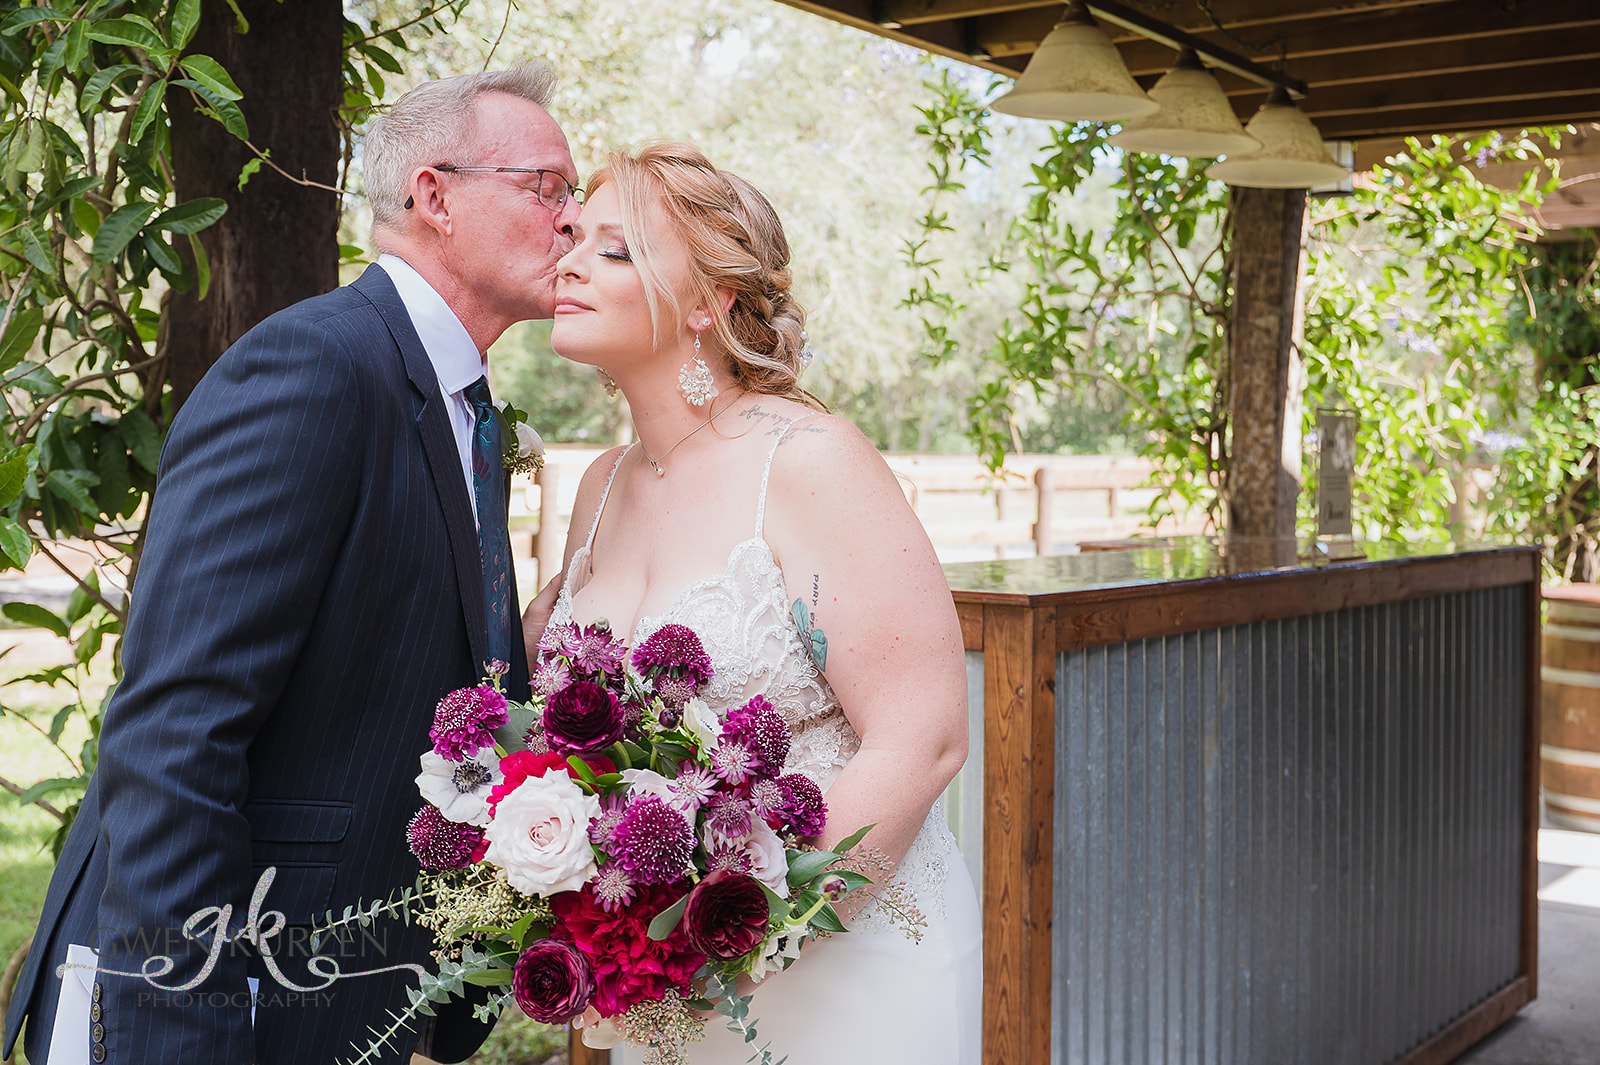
point(607, 382)
point(695, 381)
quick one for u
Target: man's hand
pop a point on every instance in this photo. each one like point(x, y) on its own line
point(537, 616)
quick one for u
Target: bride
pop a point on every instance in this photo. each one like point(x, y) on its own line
point(778, 533)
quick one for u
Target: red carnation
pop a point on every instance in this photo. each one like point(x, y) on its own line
point(727, 914)
point(520, 765)
point(629, 967)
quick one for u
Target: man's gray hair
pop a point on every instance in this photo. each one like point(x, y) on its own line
point(427, 126)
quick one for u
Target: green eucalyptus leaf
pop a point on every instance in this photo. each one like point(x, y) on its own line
point(489, 977)
point(191, 216)
point(35, 616)
point(119, 229)
point(210, 73)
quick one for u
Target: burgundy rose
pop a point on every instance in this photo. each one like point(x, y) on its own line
point(727, 915)
point(582, 717)
point(552, 982)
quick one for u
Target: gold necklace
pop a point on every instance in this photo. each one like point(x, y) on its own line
point(655, 464)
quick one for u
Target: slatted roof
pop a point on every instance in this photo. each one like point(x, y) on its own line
point(1373, 68)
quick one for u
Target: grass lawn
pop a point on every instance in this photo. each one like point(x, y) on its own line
point(26, 863)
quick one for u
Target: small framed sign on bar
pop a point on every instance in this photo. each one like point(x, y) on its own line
point(1336, 468)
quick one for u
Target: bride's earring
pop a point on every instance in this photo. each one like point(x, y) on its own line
point(695, 381)
point(607, 382)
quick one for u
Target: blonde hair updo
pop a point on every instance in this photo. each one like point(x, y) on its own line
point(735, 243)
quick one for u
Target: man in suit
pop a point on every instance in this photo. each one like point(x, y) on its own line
point(326, 556)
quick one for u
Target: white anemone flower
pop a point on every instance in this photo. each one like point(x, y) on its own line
point(460, 789)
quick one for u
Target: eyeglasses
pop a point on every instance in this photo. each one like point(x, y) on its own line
point(553, 189)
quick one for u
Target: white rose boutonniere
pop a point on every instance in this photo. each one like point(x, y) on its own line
point(524, 447)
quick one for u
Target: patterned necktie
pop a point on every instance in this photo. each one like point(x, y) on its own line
point(494, 538)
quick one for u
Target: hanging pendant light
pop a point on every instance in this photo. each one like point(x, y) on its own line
point(1077, 75)
point(1195, 117)
point(1292, 153)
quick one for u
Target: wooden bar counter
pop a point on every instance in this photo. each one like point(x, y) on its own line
point(1232, 808)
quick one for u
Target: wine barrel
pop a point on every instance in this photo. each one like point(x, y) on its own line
point(1570, 707)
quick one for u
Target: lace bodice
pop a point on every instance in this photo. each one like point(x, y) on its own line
point(742, 617)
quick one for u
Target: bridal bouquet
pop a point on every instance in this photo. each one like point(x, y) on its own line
point(616, 854)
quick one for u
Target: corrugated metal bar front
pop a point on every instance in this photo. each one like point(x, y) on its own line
point(1294, 842)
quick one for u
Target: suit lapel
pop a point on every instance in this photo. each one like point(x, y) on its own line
point(444, 460)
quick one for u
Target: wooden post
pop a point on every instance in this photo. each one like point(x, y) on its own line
point(578, 1054)
point(1043, 528)
point(548, 541)
point(1019, 680)
point(1265, 378)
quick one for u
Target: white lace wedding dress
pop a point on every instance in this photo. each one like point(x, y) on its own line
point(872, 995)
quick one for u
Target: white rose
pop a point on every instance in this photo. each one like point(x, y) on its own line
point(460, 789)
point(540, 835)
point(703, 723)
point(529, 443)
point(768, 862)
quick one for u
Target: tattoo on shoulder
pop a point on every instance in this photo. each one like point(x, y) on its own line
point(809, 625)
point(774, 423)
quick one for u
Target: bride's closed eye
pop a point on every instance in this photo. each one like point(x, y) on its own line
point(619, 255)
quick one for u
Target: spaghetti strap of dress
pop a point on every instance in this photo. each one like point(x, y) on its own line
point(766, 473)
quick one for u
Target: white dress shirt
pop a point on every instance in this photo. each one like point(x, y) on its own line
point(457, 362)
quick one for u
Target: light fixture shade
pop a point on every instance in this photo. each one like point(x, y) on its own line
point(1292, 154)
point(1077, 75)
point(1195, 118)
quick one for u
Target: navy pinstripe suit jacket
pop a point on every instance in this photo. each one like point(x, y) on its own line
point(309, 588)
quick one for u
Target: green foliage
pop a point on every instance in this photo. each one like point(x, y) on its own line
point(1406, 292)
point(92, 242)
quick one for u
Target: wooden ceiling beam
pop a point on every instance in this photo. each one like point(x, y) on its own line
point(1449, 57)
point(1547, 80)
point(1508, 115)
point(904, 13)
point(1019, 33)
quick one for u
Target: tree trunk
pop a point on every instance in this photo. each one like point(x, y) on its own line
point(1265, 378)
point(279, 242)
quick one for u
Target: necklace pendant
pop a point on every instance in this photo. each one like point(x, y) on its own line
point(659, 471)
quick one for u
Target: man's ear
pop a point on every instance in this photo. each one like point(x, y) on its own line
point(428, 201)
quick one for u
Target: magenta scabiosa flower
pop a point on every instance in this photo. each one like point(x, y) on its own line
point(581, 718)
point(462, 720)
point(653, 842)
point(439, 843)
point(804, 813)
point(674, 649)
point(759, 725)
